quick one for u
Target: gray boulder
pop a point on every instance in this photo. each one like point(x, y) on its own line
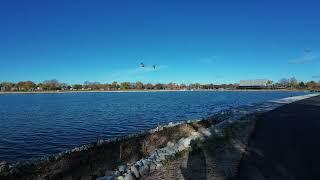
point(117, 173)
point(120, 178)
point(139, 163)
point(143, 170)
point(135, 171)
point(3, 166)
point(122, 168)
point(129, 177)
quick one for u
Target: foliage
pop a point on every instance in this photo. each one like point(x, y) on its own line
point(77, 86)
point(26, 85)
point(52, 85)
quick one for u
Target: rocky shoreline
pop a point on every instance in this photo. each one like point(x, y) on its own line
point(93, 160)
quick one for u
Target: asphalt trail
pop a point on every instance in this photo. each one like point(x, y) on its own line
point(285, 144)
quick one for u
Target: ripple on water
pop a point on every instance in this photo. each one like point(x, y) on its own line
point(41, 124)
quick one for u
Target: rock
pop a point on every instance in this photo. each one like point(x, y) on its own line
point(162, 157)
point(120, 178)
point(143, 170)
point(106, 178)
point(14, 170)
point(135, 171)
point(129, 177)
point(122, 168)
point(181, 147)
point(3, 164)
point(139, 163)
point(117, 173)
point(170, 144)
point(158, 166)
point(147, 163)
point(3, 167)
point(100, 142)
point(151, 158)
point(144, 162)
point(171, 151)
point(185, 142)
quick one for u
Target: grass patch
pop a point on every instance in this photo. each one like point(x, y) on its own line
point(222, 139)
point(177, 156)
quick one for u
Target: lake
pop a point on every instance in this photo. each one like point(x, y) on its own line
point(34, 125)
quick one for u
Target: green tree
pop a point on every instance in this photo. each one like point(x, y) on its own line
point(114, 85)
point(125, 85)
point(301, 85)
point(77, 86)
point(269, 83)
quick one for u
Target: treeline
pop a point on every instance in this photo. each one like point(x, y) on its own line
point(55, 85)
point(293, 83)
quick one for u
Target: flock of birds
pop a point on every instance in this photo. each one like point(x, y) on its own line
point(142, 66)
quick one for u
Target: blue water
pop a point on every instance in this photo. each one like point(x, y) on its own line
point(34, 125)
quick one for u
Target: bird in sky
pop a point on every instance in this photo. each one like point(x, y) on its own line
point(154, 66)
point(307, 50)
point(141, 65)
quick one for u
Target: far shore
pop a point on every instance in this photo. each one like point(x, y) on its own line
point(164, 90)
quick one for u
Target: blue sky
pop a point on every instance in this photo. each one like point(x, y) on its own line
point(189, 41)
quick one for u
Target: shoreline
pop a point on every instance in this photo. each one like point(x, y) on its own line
point(155, 91)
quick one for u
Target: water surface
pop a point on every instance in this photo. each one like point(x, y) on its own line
point(34, 125)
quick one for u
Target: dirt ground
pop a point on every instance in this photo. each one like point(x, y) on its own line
point(215, 158)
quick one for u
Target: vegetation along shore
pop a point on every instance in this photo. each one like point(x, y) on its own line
point(51, 86)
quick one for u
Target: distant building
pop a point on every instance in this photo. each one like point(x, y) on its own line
point(254, 84)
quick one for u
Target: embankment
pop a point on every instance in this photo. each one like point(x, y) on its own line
point(91, 161)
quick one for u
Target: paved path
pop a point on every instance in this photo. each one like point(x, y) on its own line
point(285, 144)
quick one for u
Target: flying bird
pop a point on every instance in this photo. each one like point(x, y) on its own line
point(141, 65)
point(154, 66)
point(307, 50)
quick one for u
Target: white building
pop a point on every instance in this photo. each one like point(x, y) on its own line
point(254, 84)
